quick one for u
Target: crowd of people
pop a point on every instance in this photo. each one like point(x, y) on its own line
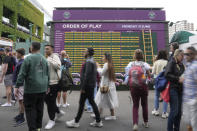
point(34, 79)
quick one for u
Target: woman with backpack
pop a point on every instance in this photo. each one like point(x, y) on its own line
point(158, 67)
point(173, 73)
point(137, 73)
point(66, 64)
point(106, 96)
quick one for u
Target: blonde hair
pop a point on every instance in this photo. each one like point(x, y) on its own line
point(177, 52)
point(63, 53)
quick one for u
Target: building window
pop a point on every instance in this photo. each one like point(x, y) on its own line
point(21, 40)
point(5, 34)
point(23, 24)
point(7, 17)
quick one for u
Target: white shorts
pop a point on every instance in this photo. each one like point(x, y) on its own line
point(190, 114)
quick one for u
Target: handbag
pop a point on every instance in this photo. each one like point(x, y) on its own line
point(104, 89)
point(66, 79)
point(165, 94)
point(161, 81)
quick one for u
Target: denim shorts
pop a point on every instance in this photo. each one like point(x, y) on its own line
point(8, 80)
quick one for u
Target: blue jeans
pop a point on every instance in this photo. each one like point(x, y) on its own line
point(89, 107)
point(174, 118)
point(165, 105)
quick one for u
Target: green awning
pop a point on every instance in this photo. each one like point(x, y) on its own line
point(181, 37)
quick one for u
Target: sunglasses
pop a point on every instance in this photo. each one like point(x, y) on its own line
point(187, 54)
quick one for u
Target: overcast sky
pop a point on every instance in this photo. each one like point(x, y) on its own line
point(176, 10)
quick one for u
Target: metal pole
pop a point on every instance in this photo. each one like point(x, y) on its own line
point(31, 25)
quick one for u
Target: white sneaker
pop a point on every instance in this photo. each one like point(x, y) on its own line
point(92, 115)
point(59, 115)
point(96, 124)
point(50, 125)
point(164, 115)
point(6, 105)
point(72, 124)
point(155, 112)
point(167, 114)
point(135, 127)
point(65, 105)
point(58, 105)
point(110, 118)
point(145, 124)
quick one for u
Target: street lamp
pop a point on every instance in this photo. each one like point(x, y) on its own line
point(30, 26)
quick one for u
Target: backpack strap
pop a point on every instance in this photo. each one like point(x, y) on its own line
point(141, 64)
point(133, 64)
point(143, 67)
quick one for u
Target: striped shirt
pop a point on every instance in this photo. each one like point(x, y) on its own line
point(190, 82)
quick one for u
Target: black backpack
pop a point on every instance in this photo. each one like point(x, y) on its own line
point(66, 79)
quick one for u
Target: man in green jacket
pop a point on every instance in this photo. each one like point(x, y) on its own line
point(34, 73)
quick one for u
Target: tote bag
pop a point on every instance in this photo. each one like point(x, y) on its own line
point(165, 94)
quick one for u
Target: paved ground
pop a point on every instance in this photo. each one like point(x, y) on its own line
point(123, 123)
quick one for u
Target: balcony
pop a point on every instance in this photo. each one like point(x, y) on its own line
point(23, 29)
point(23, 24)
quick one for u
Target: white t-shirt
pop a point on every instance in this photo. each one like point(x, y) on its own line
point(27, 55)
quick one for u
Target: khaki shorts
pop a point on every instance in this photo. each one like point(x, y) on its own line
point(20, 94)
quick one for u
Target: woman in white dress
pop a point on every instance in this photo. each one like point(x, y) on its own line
point(107, 100)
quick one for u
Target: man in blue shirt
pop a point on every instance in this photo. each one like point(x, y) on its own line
point(190, 88)
point(19, 119)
